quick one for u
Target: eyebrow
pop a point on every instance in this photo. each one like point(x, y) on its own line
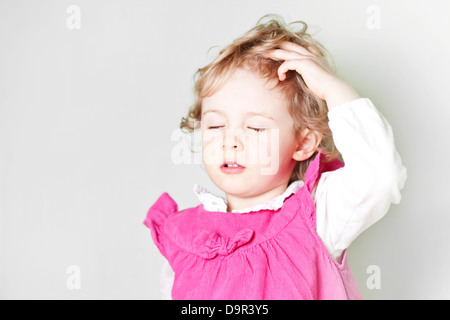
point(248, 114)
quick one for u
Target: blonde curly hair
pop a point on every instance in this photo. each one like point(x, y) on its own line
point(306, 109)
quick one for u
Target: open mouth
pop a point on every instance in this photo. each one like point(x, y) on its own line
point(232, 168)
point(231, 165)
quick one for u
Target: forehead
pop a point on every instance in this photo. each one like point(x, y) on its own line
point(247, 92)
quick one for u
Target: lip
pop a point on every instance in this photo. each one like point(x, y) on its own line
point(231, 170)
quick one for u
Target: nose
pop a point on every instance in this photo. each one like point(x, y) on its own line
point(231, 141)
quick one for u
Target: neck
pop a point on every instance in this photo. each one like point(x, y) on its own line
point(239, 202)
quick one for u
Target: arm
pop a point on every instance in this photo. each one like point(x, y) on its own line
point(352, 198)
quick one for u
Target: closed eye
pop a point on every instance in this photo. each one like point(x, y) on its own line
point(215, 127)
point(257, 129)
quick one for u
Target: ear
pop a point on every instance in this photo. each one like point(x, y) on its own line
point(308, 144)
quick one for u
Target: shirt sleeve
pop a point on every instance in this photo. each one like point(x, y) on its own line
point(352, 198)
point(166, 281)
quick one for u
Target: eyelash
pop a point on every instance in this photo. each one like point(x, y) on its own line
point(255, 129)
point(258, 129)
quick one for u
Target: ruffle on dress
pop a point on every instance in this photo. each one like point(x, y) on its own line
point(157, 216)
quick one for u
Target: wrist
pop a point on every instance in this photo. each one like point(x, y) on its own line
point(340, 92)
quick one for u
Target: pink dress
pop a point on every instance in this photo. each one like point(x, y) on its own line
point(257, 255)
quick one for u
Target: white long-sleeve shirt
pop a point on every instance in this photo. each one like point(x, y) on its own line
point(348, 200)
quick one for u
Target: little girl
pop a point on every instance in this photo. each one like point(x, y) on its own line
point(274, 120)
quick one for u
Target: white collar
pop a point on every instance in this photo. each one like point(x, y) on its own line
point(215, 203)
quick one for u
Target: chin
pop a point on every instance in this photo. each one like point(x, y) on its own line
point(238, 187)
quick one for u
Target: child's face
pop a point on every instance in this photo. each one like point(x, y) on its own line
point(247, 122)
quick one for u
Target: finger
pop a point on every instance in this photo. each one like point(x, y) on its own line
point(315, 51)
point(291, 46)
point(280, 54)
point(289, 65)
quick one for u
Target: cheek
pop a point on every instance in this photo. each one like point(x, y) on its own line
point(273, 153)
point(281, 146)
point(263, 149)
point(275, 143)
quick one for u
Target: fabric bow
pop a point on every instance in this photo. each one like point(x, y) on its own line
point(209, 244)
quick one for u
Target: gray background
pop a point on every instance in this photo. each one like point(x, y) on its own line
point(86, 118)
